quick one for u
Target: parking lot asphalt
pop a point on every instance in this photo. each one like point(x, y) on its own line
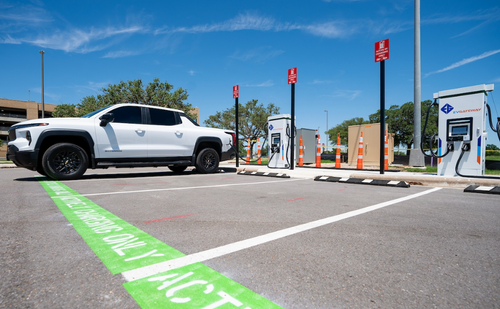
point(233, 241)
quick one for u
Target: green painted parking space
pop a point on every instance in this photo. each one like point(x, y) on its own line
point(123, 247)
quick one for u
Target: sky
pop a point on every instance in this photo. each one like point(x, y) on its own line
point(207, 47)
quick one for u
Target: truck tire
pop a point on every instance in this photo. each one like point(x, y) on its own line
point(207, 161)
point(65, 161)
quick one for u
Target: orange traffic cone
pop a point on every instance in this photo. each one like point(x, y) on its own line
point(337, 157)
point(248, 152)
point(259, 161)
point(386, 152)
point(318, 153)
point(360, 152)
point(301, 152)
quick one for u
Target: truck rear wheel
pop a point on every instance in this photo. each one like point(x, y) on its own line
point(65, 161)
point(207, 161)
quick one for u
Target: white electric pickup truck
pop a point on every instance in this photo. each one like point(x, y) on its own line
point(121, 135)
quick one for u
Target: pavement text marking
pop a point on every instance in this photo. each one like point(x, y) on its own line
point(121, 247)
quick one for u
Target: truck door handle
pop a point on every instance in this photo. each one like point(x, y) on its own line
point(139, 131)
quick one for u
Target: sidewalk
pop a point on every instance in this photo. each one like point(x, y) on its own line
point(420, 179)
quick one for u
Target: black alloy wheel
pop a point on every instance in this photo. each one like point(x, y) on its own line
point(65, 161)
point(207, 161)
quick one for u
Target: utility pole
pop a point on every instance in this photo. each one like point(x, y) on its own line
point(43, 103)
point(416, 156)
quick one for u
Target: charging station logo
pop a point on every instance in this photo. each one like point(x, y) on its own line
point(447, 108)
point(271, 127)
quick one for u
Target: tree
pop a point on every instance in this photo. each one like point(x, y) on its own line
point(492, 147)
point(400, 122)
point(64, 110)
point(343, 129)
point(252, 120)
point(155, 93)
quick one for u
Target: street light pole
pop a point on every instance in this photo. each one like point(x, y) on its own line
point(43, 103)
point(326, 134)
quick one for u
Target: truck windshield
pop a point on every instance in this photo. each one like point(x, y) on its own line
point(94, 112)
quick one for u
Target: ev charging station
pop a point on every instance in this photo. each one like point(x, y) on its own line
point(462, 131)
point(281, 141)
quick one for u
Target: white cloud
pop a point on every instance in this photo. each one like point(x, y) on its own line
point(268, 83)
point(348, 94)
point(465, 61)
point(94, 87)
point(191, 72)
point(121, 54)
point(9, 40)
point(260, 54)
point(248, 21)
point(321, 82)
point(82, 41)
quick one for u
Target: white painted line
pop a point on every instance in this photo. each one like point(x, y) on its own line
point(150, 270)
point(393, 182)
point(115, 176)
point(367, 180)
point(484, 188)
point(189, 188)
point(324, 177)
point(343, 179)
point(253, 173)
point(266, 173)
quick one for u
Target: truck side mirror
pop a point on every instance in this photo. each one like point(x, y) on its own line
point(106, 118)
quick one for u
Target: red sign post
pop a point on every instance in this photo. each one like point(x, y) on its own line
point(236, 91)
point(292, 79)
point(292, 76)
point(382, 50)
point(236, 94)
point(381, 55)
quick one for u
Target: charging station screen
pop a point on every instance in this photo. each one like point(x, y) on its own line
point(459, 130)
point(276, 140)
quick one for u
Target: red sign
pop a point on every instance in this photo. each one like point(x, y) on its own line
point(382, 50)
point(236, 91)
point(292, 76)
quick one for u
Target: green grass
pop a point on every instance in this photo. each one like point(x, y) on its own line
point(264, 161)
point(433, 169)
point(6, 162)
point(493, 158)
point(492, 172)
point(428, 169)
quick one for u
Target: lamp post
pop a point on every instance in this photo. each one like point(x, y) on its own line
point(326, 134)
point(43, 103)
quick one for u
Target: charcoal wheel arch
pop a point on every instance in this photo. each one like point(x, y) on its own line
point(50, 137)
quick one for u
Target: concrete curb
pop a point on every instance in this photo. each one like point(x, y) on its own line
point(434, 180)
point(263, 174)
point(419, 179)
point(367, 181)
point(483, 189)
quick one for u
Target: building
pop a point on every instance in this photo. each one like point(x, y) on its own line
point(14, 111)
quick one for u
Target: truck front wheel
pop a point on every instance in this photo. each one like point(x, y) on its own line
point(65, 161)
